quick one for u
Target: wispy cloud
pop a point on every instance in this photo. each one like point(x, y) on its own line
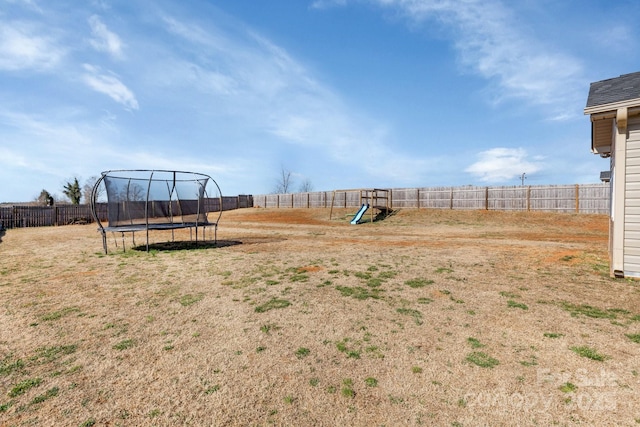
point(29, 4)
point(24, 47)
point(191, 32)
point(109, 85)
point(47, 137)
point(490, 44)
point(243, 102)
point(503, 164)
point(45, 128)
point(324, 4)
point(12, 159)
point(265, 88)
point(615, 37)
point(103, 39)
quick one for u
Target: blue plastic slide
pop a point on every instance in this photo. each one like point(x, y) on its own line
point(361, 212)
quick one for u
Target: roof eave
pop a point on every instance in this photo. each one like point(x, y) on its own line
point(613, 106)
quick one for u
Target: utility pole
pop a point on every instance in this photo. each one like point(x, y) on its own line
point(523, 177)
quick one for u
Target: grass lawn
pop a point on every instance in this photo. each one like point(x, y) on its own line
point(429, 317)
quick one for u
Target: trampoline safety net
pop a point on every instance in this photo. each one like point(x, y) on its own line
point(143, 200)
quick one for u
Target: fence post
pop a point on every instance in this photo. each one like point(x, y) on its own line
point(506, 199)
point(486, 198)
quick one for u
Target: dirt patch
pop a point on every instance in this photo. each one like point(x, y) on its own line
point(428, 317)
point(282, 216)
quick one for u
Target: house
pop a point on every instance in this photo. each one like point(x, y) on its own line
point(614, 108)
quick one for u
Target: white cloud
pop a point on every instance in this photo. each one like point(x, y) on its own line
point(29, 4)
point(21, 47)
point(193, 33)
point(12, 158)
point(324, 4)
point(266, 89)
point(503, 164)
point(103, 39)
point(180, 72)
point(49, 138)
point(45, 128)
point(490, 44)
point(111, 86)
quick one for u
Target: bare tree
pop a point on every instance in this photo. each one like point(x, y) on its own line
point(306, 186)
point(87, 189)
point(283, 183)
point(135, 192)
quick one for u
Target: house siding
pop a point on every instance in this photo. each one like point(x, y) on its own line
point(632, 200)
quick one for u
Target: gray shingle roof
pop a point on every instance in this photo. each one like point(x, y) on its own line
point(618, 89)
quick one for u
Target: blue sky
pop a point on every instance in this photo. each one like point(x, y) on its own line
point(341, 93)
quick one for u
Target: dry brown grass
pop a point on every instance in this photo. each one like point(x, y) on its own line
point(382, 326)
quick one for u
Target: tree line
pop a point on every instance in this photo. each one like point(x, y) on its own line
point(72, 190)
point(285, 183)
point(76, 194)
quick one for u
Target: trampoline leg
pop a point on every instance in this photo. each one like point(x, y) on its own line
point(134, 235)
point(104, 241)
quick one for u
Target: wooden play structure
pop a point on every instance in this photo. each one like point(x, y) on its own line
point(370, 199)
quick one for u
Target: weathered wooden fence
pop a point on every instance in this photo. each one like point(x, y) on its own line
point(38, 216)
point(583, 198)
point(17, 216)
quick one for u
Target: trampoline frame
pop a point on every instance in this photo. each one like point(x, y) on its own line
point(148, 223)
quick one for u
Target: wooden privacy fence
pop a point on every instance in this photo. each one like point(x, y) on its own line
point(40, 216)
point(583, 198)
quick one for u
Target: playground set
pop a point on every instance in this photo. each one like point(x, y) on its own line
point(145, 200)
point(370, 199)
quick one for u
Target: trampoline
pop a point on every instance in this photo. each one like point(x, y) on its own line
point(145, 200)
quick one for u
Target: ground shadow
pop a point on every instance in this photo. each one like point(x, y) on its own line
point(192, 245)
point(381, 215)
point(186, 245)
point(2, 232)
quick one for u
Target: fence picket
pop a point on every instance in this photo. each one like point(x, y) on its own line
point(583, 198)
point(18, 216)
